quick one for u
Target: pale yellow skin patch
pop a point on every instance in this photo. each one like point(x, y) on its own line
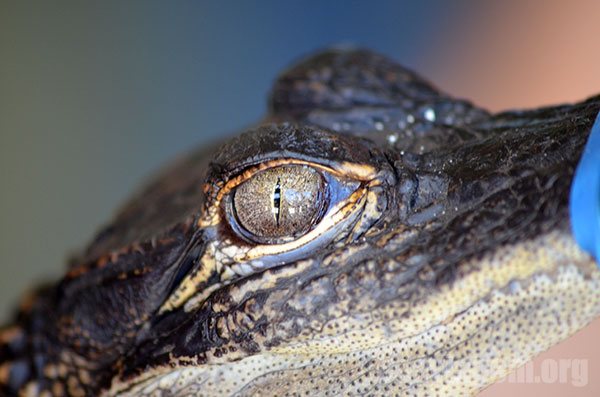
point(505, 308)
point(188, 287)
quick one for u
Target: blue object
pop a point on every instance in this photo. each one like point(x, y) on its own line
point(585, 196)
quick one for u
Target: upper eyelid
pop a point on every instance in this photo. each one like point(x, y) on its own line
point(251, 171)
point(216, 189)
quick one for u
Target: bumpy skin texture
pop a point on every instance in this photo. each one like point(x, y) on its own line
point(460, 267)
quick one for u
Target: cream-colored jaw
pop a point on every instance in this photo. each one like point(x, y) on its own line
point(502, 310)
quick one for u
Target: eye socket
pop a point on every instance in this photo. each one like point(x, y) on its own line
point(282, 209)
point(280, 204)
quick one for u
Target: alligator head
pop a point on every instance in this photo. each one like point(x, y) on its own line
point(371, 235)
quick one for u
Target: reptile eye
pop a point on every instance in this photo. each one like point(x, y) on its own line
point(290, 204)
point(283, 209)
point(281, 203)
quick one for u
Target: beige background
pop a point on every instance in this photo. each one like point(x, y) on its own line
point(94, 97)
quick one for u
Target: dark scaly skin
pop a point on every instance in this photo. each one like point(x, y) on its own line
point(460, 192)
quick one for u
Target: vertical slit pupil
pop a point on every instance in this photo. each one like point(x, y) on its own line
point(277, 200)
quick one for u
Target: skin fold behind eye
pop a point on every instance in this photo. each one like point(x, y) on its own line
point(280, 202)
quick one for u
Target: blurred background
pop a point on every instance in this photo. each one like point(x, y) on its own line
point(95, 96)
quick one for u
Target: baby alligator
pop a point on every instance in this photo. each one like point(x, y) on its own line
point(370, 236)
